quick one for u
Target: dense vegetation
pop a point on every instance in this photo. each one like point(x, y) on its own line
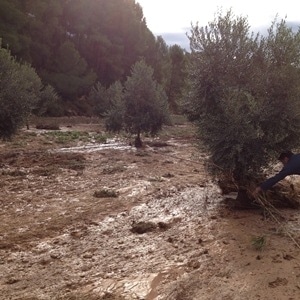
point(75, 44)
point(244, 92)
point(21, 92)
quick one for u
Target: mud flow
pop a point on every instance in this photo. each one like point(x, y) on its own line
point(93, 220)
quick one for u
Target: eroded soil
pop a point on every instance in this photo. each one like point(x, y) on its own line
point(105, 221)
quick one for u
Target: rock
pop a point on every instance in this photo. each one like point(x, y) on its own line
point(87, 255)
point(12, 280)
point(278, 281)
point(143, 227)
point(194, 264)
point(55, 255)
point(288, 257)
point(163, 225)
point(86, 268)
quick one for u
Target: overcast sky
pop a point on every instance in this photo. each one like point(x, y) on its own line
point(172, 18)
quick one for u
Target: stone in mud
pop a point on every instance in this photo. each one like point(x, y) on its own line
point(143, 227)
point(194, 264)
point(163, 225)
point(12, 280)
point(105, 193)
point(277, 282)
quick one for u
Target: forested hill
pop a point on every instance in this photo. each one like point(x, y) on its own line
point(73, 44)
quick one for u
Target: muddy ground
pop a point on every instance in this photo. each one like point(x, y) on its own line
point(84, 219)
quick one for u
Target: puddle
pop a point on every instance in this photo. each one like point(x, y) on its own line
point(111, 144)
point(137, 187)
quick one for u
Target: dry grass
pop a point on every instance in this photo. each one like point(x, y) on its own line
point(259, 242)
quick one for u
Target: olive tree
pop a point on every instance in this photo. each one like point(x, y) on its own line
point(146, 103)
point(116, 107)
point(140, 107)
point(244, 92)
point(98, 99)
point(48, 103)
point(20, 88)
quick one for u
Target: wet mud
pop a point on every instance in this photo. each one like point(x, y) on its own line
point(163, 235)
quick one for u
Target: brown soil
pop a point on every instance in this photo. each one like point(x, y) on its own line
point(120, 223)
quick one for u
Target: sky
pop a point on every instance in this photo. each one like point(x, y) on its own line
point(172, 18)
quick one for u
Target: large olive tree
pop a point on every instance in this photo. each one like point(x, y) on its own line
point(244, 92)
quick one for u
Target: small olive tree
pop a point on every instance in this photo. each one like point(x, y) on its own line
point(48, 103)
point(116, 107)
point(142, 107)
point(244, 93)
point(146, 103)
point(98, 98)
point(20, 88)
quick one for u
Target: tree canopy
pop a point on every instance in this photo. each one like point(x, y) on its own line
point(244, 92)
point(72, 44)
point(20, 90)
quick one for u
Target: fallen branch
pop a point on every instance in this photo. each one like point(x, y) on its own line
point(273, 212)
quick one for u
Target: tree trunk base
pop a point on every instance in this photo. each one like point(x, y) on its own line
point(138, 142)
point(278, 197)
point(242, 201)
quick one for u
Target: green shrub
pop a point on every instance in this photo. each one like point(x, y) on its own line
point(100, 138)
point(48, 103)
point(20, 88)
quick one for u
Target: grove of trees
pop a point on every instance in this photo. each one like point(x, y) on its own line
point(73, 44)
point(80, 50)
